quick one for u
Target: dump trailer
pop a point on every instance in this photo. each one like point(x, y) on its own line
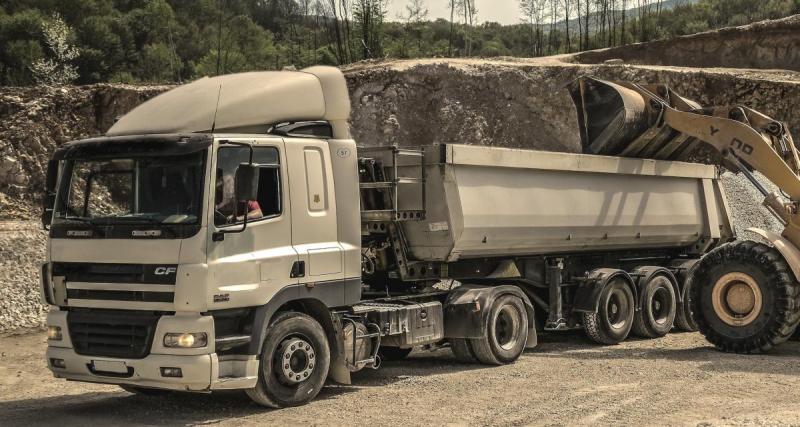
point(744, 296)
point(229, 234)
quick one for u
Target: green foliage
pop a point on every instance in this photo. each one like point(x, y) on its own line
point(134, 41)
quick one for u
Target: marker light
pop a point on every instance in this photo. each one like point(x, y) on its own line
point(54, 333)
point(186, 340)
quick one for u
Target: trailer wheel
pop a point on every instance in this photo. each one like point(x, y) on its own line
point(613, 320)
point(462, 350)
point(684, 321)
point(658, 308)
point(392, 354)
point(744, 297)
point(294, 362)
point(506, 332)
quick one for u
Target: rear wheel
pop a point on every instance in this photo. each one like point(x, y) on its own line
point(462, 350)
point(683, 314)
point(658, 308)
point(613, 320)
point(294, 362)
point(744, 297)
point(506, 332)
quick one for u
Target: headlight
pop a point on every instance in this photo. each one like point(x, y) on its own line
point(54, 333)
point(186, 340)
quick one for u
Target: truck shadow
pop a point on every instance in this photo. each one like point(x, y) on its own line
point(118, 407)
point(781, 360)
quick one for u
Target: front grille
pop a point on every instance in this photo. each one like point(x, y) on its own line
point(112, 333)
point(112, 295)
point(157, 274)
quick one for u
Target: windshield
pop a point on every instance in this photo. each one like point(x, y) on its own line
point(157, 190)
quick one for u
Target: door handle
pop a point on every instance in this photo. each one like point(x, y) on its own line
point(298, 269)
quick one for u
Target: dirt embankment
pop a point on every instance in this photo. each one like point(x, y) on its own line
point(772, 44)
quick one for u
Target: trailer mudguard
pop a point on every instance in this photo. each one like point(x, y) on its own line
point(587, 296)
point(466, 311)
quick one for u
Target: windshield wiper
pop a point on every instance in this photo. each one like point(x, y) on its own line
point(110, 220)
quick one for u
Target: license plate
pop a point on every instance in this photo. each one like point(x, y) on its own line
point(114, 366)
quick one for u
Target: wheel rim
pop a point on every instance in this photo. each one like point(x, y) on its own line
point(507, 326)
point(617, 307)
point(737, 299)
point(294, 360)
point(660, 305)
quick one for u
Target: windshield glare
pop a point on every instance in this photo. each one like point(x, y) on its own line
point(158, 190)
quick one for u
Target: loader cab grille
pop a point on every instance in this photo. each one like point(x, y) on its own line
point(112, 333)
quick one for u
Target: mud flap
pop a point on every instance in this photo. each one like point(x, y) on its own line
point(467, 309)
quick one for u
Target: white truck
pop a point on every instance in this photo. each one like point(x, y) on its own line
point(229, 234)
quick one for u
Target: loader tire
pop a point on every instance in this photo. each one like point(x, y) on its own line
point(657, 314)
point(744, 297)
point(613, 320)
point(506, 332)
point(462, 350)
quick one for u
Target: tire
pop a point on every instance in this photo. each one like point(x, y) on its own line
point(301, 340)
point(462, 350)
point(613, 320)
point(684, 321)
point(506, 332)
point(144, 391)
point(657, 313)
point(393, 354)
point(744, 298)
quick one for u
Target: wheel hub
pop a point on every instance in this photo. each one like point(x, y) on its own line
point(737, 299)
point(294, 360)
point(507, 327)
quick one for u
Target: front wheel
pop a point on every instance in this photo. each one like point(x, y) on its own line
point(294, 362)
point(744, 297)
point(612, 321)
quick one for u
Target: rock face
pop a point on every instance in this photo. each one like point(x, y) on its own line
point(766, 45)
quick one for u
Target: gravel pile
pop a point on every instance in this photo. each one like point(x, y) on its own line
point(22, 249)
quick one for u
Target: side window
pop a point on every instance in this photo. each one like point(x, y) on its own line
point(227, 210)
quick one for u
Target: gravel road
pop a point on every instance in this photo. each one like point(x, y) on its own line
point(677, 380)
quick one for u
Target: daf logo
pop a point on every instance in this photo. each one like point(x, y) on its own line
point(164, 271)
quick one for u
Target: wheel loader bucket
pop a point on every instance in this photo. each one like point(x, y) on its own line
point(625, 119)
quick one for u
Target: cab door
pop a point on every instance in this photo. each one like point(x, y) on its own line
point(314, 225)
point(249, 267)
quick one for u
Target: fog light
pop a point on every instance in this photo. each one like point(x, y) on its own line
point(172, 372)
point(58, 363)
point(186, 340)
point(54, 333)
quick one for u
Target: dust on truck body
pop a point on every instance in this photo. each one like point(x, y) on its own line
point(229, 235)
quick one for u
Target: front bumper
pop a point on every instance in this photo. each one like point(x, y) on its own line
point(202, 369)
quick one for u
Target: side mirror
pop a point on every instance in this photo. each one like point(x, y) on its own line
point(49, 198)
point(246, 182)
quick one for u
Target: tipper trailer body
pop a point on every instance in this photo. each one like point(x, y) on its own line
point(224, 242)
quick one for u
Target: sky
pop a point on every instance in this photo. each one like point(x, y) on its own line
point(502, 11)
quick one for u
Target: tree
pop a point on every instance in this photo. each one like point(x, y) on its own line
point(533, 15)
point(58, 69)
point(368, 16)
point(415, 14)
